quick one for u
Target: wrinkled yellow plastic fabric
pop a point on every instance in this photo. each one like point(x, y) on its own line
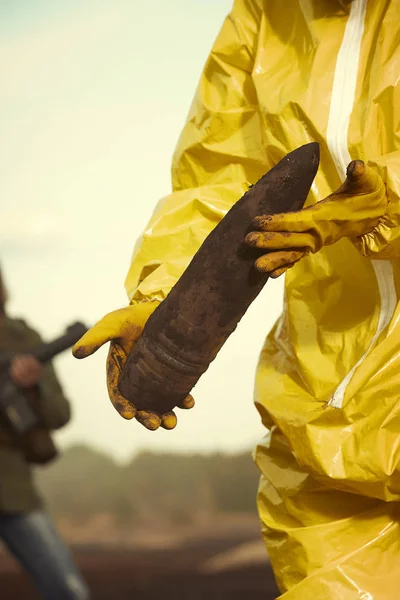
point(330, 485)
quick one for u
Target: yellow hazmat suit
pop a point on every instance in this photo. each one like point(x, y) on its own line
point(282, 74)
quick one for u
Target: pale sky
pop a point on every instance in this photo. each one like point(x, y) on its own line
point(94, 96)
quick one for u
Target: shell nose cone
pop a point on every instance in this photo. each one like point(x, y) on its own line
point(306, 156)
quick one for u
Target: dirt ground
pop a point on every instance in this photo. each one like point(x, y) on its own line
point(223, 567)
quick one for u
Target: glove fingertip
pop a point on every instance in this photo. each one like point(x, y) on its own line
point(251, 238)
point(355, 170)
point(261, 221)
point(278, 272)
point(81, 351)
point(122, 406)
point(187, 403)
point(148, 419)
point(128, 415)
point(260, 265)
point(169, 420)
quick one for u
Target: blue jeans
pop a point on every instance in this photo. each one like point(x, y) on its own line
point(35, 543)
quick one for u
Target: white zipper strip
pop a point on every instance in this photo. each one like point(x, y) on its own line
point(344, 87)
point(387, 291)
point(342, 101)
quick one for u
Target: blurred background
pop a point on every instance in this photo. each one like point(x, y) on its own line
point(94, 96)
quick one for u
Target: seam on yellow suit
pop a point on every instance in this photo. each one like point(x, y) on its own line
point(342, 101)
point(387, 292)
point(344, 87)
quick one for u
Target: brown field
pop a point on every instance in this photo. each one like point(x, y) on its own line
point(224, 564)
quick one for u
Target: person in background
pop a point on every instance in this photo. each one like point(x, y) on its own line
point(25, 527)
point(280, 75)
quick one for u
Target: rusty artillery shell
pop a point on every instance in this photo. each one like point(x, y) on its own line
point(184, 334)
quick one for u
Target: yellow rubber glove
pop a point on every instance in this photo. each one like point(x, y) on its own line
point(123, 328)
point(354, 210)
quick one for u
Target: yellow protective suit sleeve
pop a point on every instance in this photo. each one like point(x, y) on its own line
point(219, 153)
point(384, 241)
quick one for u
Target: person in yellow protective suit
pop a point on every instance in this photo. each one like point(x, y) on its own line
point(281, 75)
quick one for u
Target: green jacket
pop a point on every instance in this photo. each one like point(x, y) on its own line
point(17, 489)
